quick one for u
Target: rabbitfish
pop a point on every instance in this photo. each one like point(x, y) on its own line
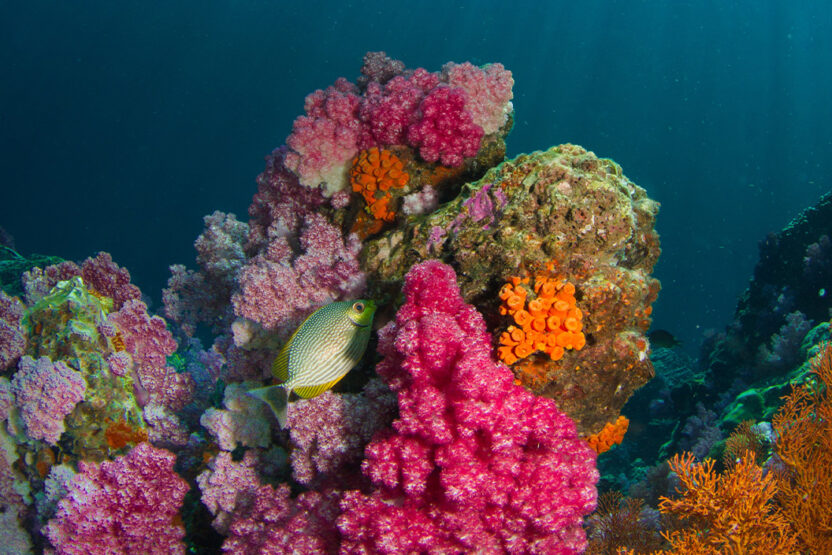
point(327, 345)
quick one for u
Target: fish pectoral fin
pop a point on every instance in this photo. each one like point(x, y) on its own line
point(276, 397)
point(309, 391)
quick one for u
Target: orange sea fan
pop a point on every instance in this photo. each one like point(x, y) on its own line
point(731, 512)
point(804, 445)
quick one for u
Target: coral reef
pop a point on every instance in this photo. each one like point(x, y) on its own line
point(434, 113)
point(565, 213)
point(516, 296)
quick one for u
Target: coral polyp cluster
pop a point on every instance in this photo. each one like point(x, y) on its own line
point(611, 434)
point(549, 322)
point(378, 176)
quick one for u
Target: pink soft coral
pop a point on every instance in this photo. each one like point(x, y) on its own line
point(129, 505)
point(475, 462)
point(324, 140)
point(488, 90)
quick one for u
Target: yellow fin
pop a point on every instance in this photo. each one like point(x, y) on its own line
point(309, 391)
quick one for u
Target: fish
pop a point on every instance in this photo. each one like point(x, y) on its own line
point(321, 351)
point(663, 339)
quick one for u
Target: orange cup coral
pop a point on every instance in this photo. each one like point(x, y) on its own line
point(373, 174)
point(612, 434)
point(550, 322)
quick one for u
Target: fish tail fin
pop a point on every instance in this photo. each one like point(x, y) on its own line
point(276, 397)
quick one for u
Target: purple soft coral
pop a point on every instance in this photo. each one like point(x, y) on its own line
point(12, 340)
point(272, 523)
point(329, 432)
point(475, 462)
point(279, 288)
point(45, 392)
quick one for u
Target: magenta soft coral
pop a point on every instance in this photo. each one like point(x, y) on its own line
point(474, 462)
point(129, 505)
point(388, 110)
point(445, 131)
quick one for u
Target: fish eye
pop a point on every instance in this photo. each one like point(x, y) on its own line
point(358, 307)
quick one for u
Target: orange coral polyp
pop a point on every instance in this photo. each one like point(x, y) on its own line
point(561, 305)
point(535, 307)
point(523, 350)
point(523, 318)
point(375, 171)
point(556, 352)
point(515, 302)
point(549, 322)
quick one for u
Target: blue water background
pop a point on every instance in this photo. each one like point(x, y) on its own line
point(123, 123)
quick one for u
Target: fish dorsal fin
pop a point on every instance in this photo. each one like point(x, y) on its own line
point(309, 391)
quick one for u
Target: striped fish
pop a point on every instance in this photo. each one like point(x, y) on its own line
point(327, 345)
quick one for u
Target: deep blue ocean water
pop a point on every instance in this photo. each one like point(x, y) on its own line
point(123, 123)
